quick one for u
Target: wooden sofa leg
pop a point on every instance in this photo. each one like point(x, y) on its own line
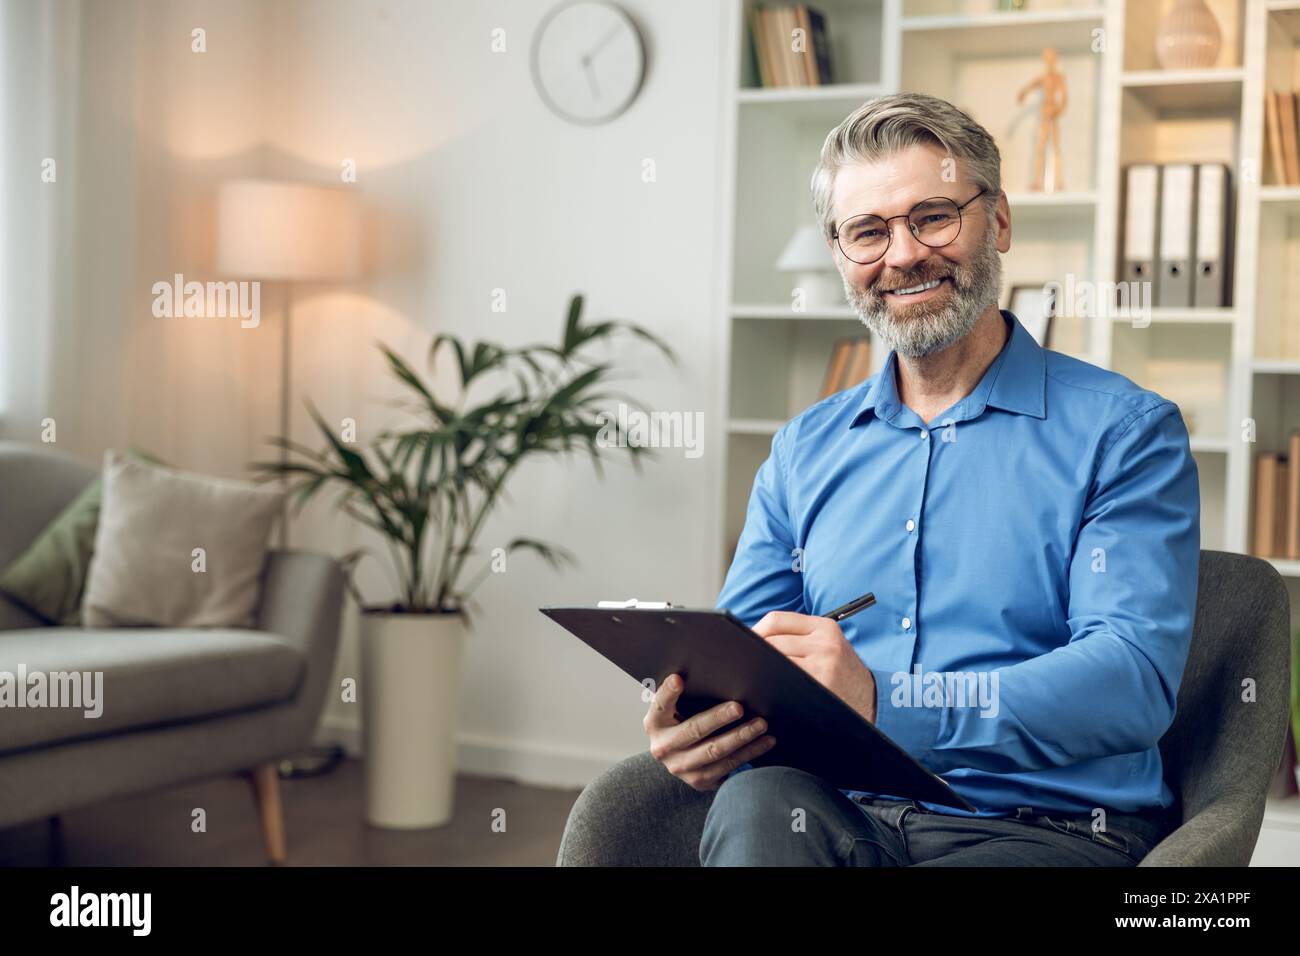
point(266, 791)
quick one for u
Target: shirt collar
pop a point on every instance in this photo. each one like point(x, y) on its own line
point(1015, 382)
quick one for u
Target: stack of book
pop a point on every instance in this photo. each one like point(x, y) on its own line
point(1283, 137)
point(790, 46)
point(850, 364)
point(1277, 503)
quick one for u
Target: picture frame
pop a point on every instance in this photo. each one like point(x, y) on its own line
point(1035, 306)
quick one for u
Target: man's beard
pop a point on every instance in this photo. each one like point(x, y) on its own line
point(924, 327)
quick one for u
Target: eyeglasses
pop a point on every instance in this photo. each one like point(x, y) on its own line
point(933, 222)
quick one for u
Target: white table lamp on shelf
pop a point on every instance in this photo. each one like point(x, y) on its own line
point(279, 231)
point(807, 256)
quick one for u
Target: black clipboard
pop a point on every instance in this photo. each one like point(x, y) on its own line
point(721, 659)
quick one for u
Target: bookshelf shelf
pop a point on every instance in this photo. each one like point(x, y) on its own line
point(1069, 30)
point(1286, 567)
point(1186, 90)
point(1048, 209)
point(754, 426)
point(1283, 810)
point(1182, 316)
point(1285, 198)
point(835, 94)
point(1287, 16)
point(1082, 199)
point(1275, 366)
point(1279, 840)
point(803, 107)
point(777, 311)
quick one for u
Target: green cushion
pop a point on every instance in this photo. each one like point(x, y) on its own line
point(48, 578)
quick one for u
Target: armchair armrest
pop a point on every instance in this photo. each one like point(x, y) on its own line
point(1222, 834)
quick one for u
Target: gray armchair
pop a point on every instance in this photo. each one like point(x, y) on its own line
point(1220, 753)
point(179, 705)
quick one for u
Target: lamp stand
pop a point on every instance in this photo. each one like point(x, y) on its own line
point(286, 337)
point(315, 760)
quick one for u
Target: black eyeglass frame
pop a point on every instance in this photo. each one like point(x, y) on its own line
point(889, 232)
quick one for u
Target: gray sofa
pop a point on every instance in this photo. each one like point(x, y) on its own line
point(178, 705)
point(1219, 755)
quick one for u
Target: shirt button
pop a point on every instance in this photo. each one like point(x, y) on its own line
point(924, 434)
point(911, 525)
point(907, 623)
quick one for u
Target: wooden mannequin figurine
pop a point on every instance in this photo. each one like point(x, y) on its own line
point(1053, 106)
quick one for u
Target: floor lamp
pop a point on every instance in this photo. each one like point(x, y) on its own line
point(287, 232)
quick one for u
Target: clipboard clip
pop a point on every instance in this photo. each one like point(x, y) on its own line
point(634, 604)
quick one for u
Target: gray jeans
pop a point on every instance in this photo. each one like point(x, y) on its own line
point(780, 816)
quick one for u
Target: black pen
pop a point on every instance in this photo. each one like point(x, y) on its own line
point(853, 607)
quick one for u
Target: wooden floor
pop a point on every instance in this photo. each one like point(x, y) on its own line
point(323, 820)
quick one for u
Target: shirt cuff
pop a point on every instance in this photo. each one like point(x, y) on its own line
point(914, 728)
point(743, 766)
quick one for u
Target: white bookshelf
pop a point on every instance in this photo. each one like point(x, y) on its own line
point(1123, 108)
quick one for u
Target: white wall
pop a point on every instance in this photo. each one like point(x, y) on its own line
point(452, 142)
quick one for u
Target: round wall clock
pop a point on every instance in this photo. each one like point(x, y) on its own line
point(588, 61)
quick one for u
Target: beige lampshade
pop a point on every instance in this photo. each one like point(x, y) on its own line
point(273, 229)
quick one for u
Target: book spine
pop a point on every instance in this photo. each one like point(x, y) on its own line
point(860, 364)
point(1293, 498)
point(785, 22)
point(1274, 130)
point(772, 43)
point(821, 45)
point(807, 55)
point(1290, 149)
point(1280, 517)
point(835, 368)
point(1265, 502)
point(761, 67)
point(789, 59)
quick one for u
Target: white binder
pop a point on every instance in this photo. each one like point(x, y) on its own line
point(1141, 190)
point(1177, 198)
point(1212, 214)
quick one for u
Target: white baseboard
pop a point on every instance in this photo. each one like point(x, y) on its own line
point(485, 756)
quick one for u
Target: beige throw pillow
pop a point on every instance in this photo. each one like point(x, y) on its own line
point(147, 568)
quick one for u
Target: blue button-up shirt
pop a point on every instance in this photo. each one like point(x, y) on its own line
point(1039, 539)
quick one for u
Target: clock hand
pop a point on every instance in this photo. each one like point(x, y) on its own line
point(591, 77)
point(601, 45)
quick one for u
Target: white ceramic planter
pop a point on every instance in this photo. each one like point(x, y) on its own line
point(410, 695)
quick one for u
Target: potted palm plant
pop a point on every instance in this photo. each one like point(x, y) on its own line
point(427, 490)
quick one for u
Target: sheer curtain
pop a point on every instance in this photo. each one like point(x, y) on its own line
point(38, 104)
